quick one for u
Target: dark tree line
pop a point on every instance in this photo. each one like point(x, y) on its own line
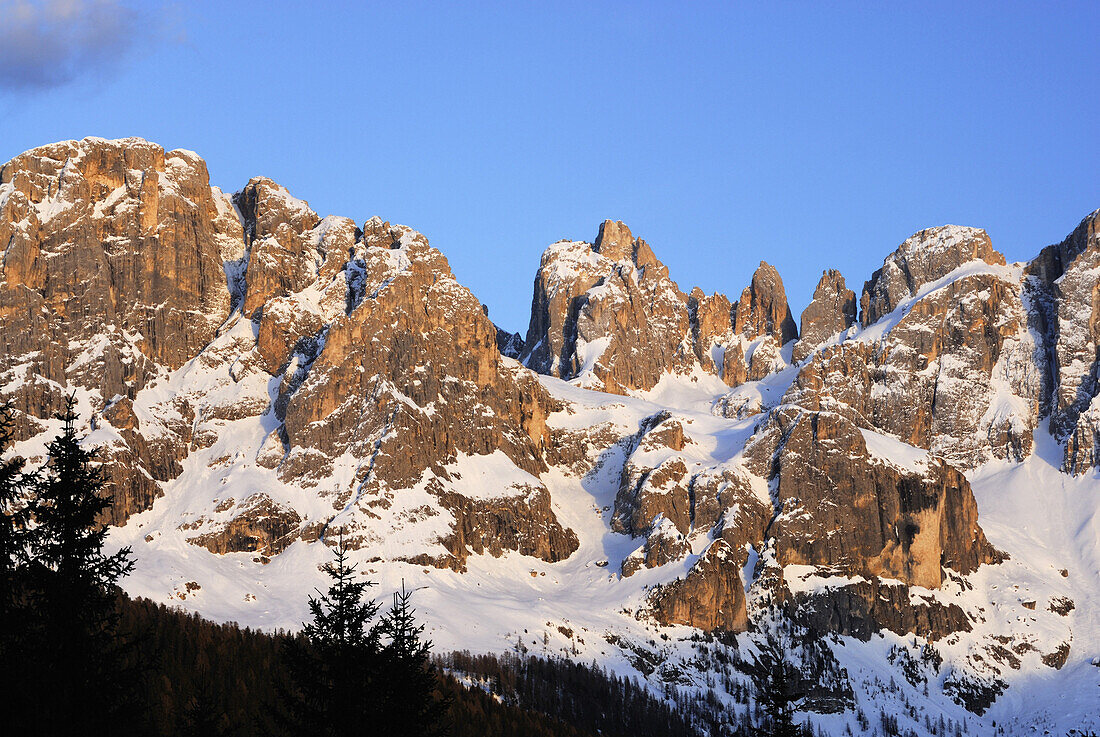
point(584, 696)
point(348, 671)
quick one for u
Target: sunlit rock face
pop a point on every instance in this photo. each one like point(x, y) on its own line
point(607, 313)
point(832, 311)
point(185, 318)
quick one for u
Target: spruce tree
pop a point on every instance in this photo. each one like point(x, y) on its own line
point(76, 591)
point(14, 533)
point(71, 495)
point(418, 705)
point(13, 507)
point(777, 682)
point(335, 680)
point(17, 620)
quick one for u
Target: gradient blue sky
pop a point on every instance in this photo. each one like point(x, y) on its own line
point(723, 134)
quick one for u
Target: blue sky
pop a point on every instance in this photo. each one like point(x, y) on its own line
point(805, 135)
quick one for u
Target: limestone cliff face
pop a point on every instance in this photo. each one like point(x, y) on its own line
point(596, 304)
point(608, 315)
point(711, 596)
point(1066, 274)
point(762, 321)
point(112, 273)
point(841, 506)
point(183, 317)
point(409, 380)
point(923, 258)
point(833, 310)
point(962, 370)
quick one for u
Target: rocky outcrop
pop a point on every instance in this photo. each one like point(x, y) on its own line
point(762, 325)
point(710, 597)
point(112, 272)
point(865, 607)
point(839, 505)
point(711, 320)
point(1067, 274)
point(833, 310)
point(922, 259)
point(282, 256)
point(671, 497)
point(407, 382)
point(116, 234)
point(256, 525)
point(607, 314)
point(762, 309)
point(190, 320)
point(595, 304)
point(962, 372)
point(510, 345)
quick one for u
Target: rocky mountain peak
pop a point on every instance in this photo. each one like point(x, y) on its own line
point(616, 242)
point(258, 376)
point(923, 258)
point(594, 303)
point(762, 309)
point(832, 310)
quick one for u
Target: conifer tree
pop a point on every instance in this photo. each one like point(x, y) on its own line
point(16, 618)
point(71, 495)
point(76, 591)
point(14, 534)
point(334, 667)
point(419, 707)
point(202, 717)
point(13, 510)
point(776, 680)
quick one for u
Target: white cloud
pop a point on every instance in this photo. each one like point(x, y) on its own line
point(48, 43)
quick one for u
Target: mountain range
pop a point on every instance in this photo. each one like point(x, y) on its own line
point(646, 478)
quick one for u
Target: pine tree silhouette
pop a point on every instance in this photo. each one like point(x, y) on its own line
point(75, 592)
point(776, 680)
point(334, 668)
point(419, 707)
point(17, 620)
point(14, 533)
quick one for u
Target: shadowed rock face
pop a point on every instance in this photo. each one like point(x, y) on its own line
point(866, 607)
point(1066, 273)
